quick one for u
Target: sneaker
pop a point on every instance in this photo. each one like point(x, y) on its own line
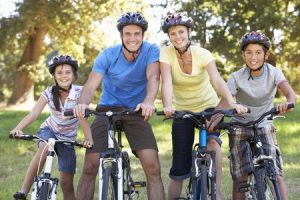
point(19, 196)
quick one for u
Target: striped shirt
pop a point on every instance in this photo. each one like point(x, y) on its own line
point(64, 128)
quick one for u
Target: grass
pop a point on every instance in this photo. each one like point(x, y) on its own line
point(16, 155)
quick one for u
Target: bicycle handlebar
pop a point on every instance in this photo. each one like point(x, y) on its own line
point(35, 137)
point(272, 112)
point(201, 115)
point(107, 113)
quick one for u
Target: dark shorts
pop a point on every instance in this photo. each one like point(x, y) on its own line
point(183, 134)
point(138, 132)
point(240, 156)
point(65, 153)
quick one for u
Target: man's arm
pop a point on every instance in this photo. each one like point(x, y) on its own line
point(152, 87)
point(87, 93)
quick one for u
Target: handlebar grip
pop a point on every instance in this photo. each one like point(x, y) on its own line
point(71, 113)
point(160, 113)
point(291, 105)
point(68, 113)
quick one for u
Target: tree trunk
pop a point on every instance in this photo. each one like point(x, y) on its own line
point(24, 83)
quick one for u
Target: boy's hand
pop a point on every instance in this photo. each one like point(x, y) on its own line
point(283, 107)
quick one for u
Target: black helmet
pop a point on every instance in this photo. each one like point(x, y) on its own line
point(255, 37)
point(177, 19)
point(134, 19)
point(62, 59)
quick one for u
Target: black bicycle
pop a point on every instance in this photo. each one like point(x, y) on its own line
point(202, 183)
point(44, 187)
point(115, 180)
point(262, 182)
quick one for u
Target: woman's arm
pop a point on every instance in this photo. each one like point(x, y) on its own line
point(166, 88)
point(222, 89)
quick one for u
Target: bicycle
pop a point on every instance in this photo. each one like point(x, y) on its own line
point(115, 180)
point(262, 183)
point(44, 186)
point(202, 182)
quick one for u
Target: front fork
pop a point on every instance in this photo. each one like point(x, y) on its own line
point(118, 173)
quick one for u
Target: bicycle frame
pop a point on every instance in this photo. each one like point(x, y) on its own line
point(263, 166)
point(203, 163)
point(114, 158)
point(44, 186)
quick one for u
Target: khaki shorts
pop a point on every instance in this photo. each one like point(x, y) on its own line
point(138, 132)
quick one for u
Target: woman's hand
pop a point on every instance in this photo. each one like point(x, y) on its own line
point(169, 111)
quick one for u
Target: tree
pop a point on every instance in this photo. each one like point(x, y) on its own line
point(40, 27)
point(219, 25)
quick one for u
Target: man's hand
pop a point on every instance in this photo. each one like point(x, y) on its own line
point(147, 109)
point(79, 110)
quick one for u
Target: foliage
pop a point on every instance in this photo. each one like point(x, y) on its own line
point(72, 27)
point(220, 24)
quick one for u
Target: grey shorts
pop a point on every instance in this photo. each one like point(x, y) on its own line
point(138, 132)
point(65, 153)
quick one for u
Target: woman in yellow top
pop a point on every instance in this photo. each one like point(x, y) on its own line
point(189, 76)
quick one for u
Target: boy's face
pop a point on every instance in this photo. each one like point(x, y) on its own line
point(254, 56)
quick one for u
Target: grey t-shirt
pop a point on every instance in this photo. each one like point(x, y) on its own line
point(256, 93)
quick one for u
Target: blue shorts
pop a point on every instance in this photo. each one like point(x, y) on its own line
point(65, 152)
point(183, 134)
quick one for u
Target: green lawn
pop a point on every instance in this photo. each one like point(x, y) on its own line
point(16, 154)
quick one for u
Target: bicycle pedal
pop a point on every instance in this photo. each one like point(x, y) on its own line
point(19, 196)
point(244, 188)
point(139, 184)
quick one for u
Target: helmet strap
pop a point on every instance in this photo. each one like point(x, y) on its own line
point(133, 53)
point(63, 89)
point(185, 50)
point(254, 70)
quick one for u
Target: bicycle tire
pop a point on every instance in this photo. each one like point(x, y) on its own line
point(127, 182)
point(204, 179)
point(264, 186)
point(110, 184)
point(43, 193)
point(213, 188)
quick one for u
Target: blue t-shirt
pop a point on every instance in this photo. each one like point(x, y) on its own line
point(124, 83)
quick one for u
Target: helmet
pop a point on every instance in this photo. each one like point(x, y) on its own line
point(255, 37)
point(177, 19)
point(132, 18)
point(62, 59)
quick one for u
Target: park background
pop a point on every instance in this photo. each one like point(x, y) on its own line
point(33, 31)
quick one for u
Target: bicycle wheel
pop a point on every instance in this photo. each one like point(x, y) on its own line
point(213, 188)
point(110, 184)
point(44, 191)
point(204, 191)
point(264, 186)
